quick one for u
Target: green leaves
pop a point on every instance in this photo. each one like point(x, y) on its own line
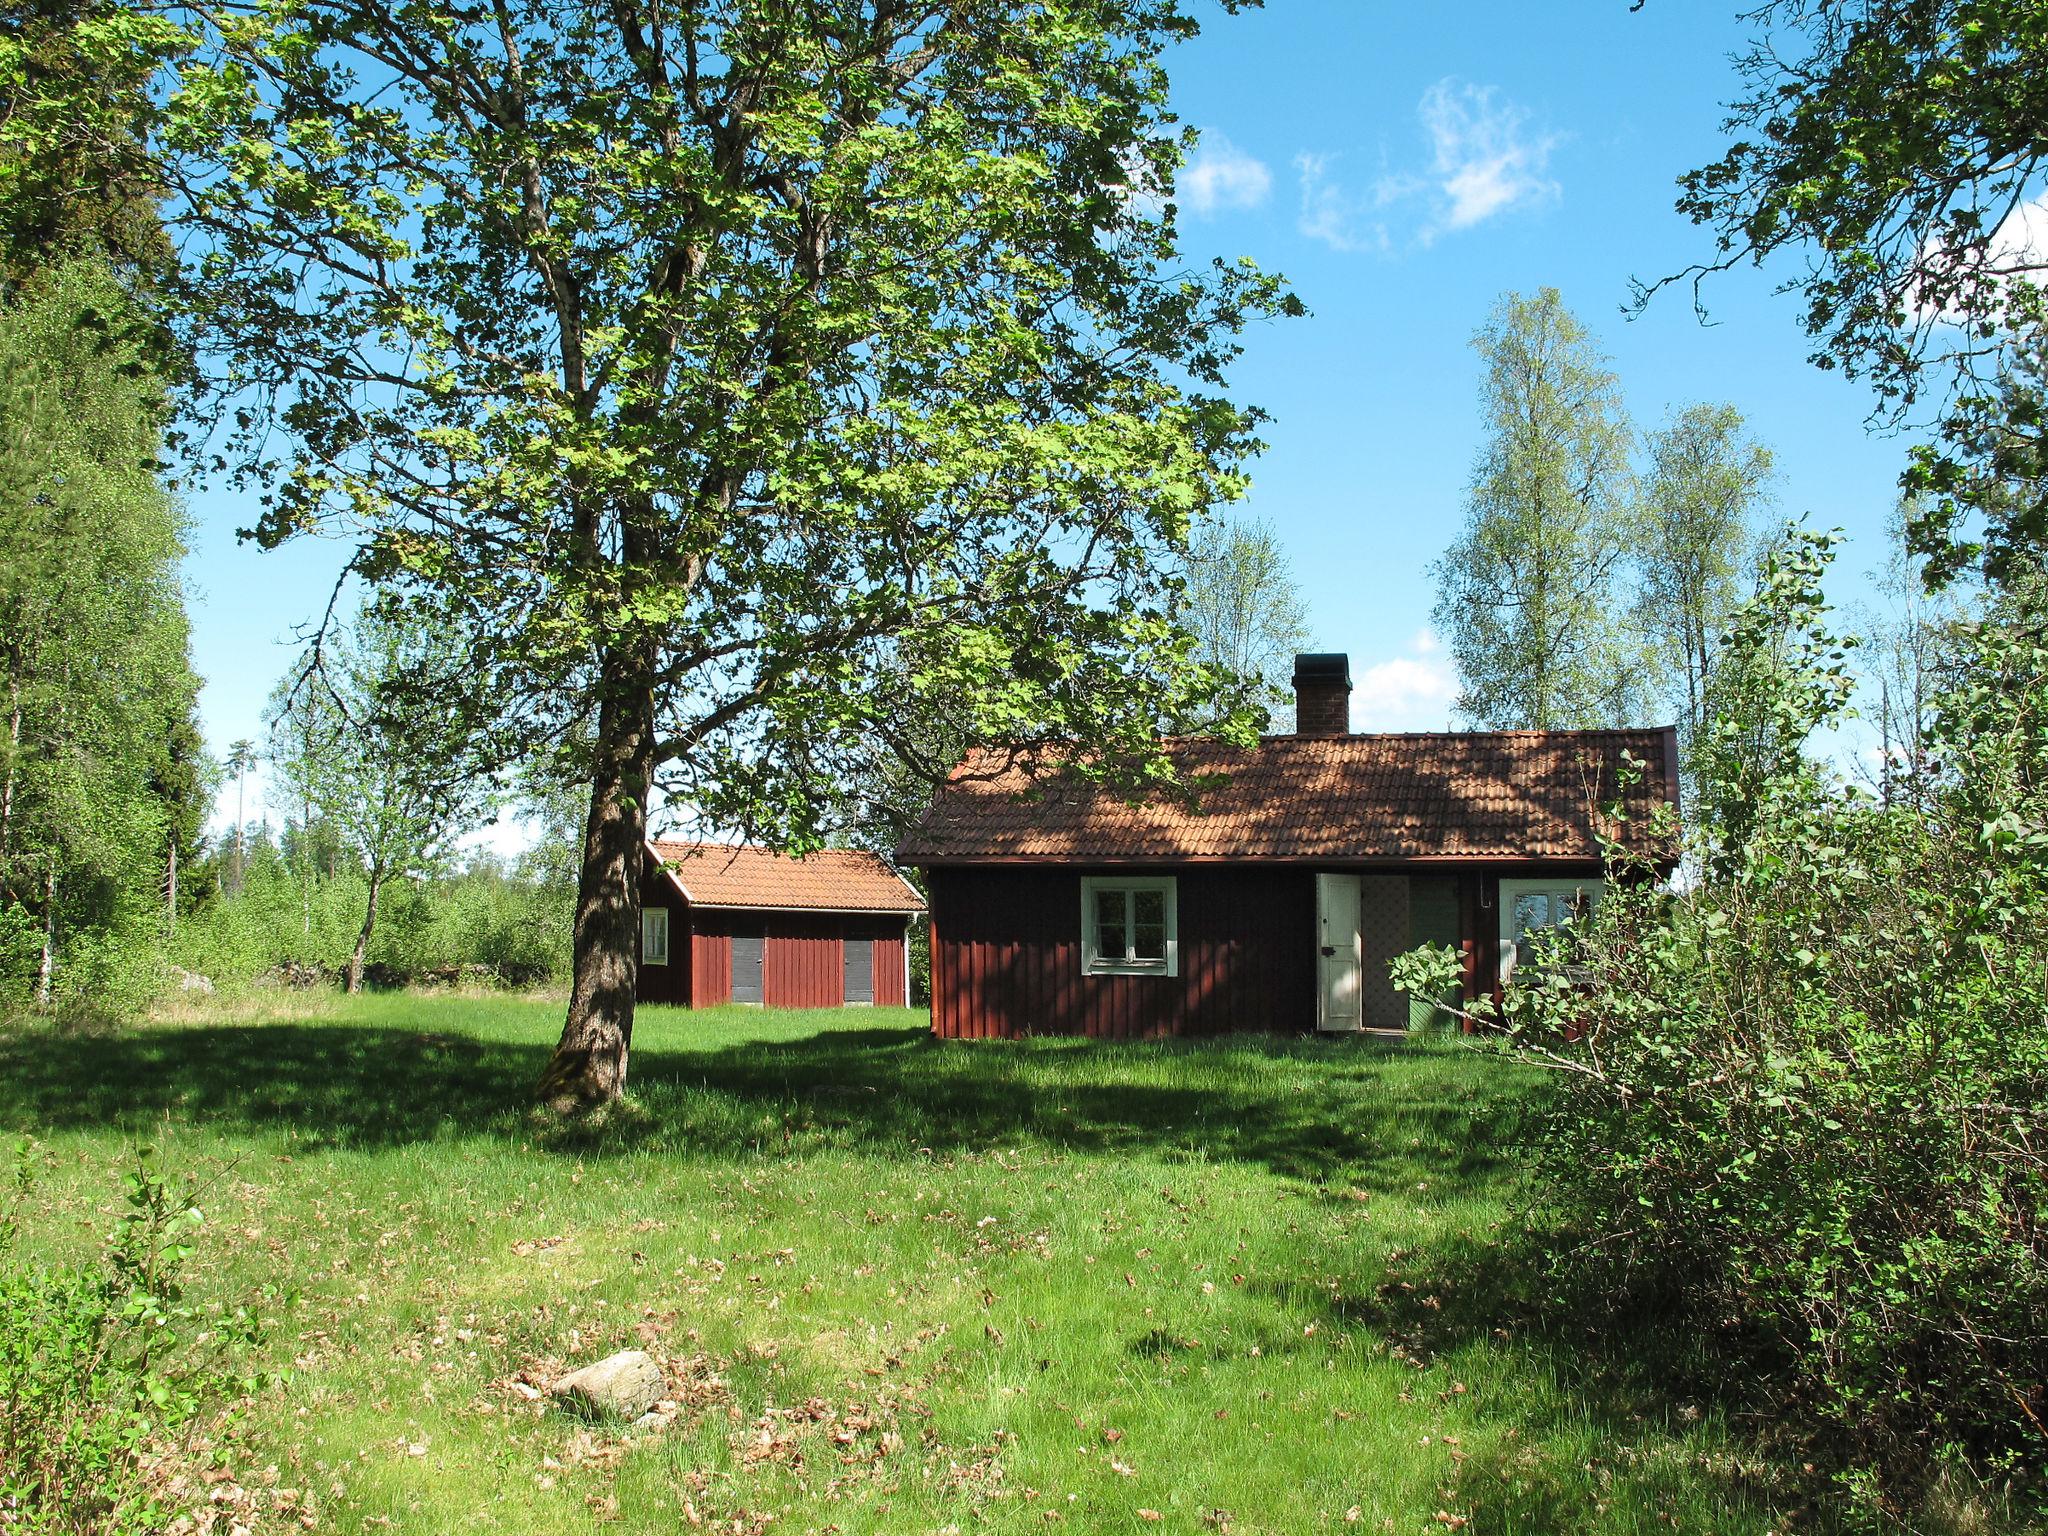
point(1804, 1089)
point(758, 347)
point(1526, 594)
point(106, 1365)
point(1895, 151)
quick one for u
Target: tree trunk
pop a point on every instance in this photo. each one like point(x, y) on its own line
point(46, 971)
point(7, 794)
point(171, 891)
point(588, 1069)
point(355, 959)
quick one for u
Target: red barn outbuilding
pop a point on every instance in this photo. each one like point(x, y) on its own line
point(1311, 861)
point(722, 924)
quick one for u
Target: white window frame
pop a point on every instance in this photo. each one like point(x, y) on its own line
point(653, 924)
point(1589, 888)
point(1093, 962)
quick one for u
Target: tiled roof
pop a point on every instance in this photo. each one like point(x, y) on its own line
point(1456, 795)
point(830, 880)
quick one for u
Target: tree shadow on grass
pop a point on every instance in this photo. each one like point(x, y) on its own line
point(1676, 1417)
point(1304, 1110)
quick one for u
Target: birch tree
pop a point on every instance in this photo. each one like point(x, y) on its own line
point(391, 782)
point(1695, 547)
point(100, 777)
point(1529, 594)
point(1243, 606)
point(736, 375)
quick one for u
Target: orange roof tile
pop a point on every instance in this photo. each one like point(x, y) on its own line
point(1455, 795)
point(832, 879)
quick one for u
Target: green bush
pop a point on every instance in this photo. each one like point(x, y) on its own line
point(1806, 1112)
point(475, 921)
point(105, 1367)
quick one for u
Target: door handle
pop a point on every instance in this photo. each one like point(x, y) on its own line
point(1329, 949)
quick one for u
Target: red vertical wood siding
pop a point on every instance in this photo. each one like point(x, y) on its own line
point(803, 963)
point(1006, 957)
point(711, 968)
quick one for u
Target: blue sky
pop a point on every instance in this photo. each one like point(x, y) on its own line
point(1403, 165)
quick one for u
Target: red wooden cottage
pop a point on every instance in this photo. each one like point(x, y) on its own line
point(1318, 856)
point(722, 924)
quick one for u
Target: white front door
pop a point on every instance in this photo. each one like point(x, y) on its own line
point(1340, 953)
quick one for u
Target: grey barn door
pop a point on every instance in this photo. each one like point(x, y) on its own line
point(746, 967)
point(860, 970)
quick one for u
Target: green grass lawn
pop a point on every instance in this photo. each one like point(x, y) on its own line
point(899, 1285)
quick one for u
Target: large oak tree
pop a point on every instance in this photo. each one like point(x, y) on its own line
point(740, 376)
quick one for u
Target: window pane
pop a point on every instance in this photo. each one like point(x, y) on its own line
point(1148, 907)
point(1111, 934)
point(1148, 941)
point(1532, 911)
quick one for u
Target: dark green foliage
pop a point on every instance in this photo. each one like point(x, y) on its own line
point(107, 1366)
point(1802, 1101)
point(101, 771)
point(75, 179)
point(1980, 492)
point(1894, 151)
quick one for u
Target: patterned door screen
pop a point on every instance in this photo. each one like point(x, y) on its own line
point(1383, 921)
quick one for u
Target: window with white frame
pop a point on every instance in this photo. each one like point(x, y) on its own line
point(1129, 926)
point(1527, 907)
point(654, 935)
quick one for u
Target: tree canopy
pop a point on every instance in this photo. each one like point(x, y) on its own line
point(1694, 537)
point(1526, 593)
point(391, 782)
point(735, 378)
point(1243, 606)
point(1895, 151)
point(102, 782)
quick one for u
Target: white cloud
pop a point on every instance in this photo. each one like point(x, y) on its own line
point(2018, 248)
point(1411, 692)
point(1223, 176)
point(1333, 215)
point(1484, 161)
point(2022, 240)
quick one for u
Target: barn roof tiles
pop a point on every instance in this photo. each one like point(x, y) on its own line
point(1451, 796)
point(830, 880)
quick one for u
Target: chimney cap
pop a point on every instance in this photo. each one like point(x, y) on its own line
point(1322, 667)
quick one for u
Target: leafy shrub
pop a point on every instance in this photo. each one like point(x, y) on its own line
point(1809, 1108)
point(105, 1367)
point(280, 922)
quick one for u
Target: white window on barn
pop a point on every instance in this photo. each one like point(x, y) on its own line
point(654, 935)
point(1527, 907)
point(1129, 926)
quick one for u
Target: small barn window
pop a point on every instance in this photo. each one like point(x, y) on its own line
point(654, 935)
point(1129, 926)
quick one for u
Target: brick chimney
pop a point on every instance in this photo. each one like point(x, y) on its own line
point(1322, 694)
